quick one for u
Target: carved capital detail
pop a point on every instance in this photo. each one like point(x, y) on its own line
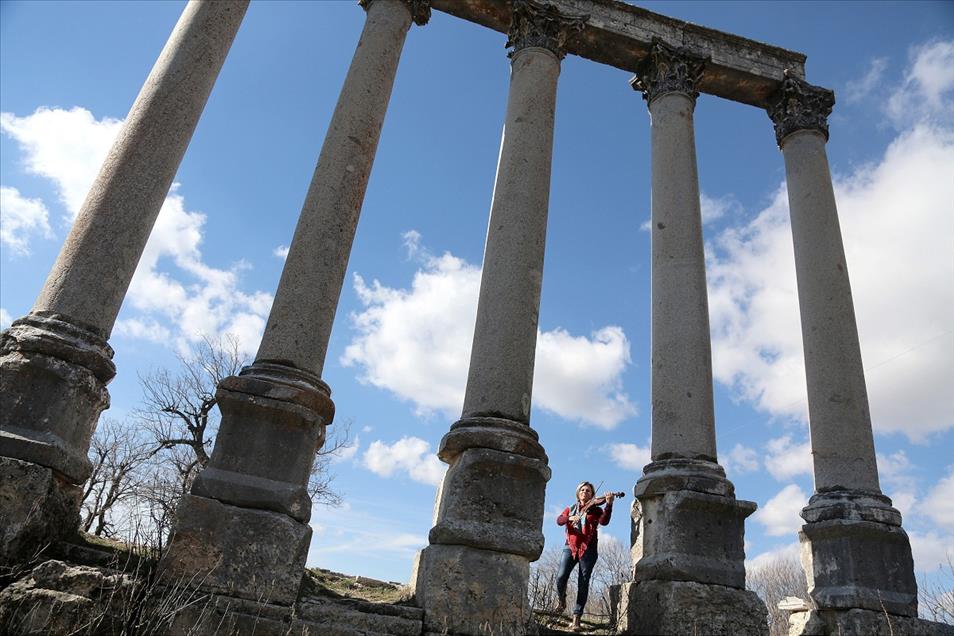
point(668, 69)
point(799, 106)
point(541, 25)
point(420, 9)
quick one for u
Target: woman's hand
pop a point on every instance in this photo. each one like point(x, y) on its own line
point(574, 518)
point(609, 497)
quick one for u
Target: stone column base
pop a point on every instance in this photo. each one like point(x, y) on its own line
point(462, 588)
point(37, 508)
point(253, 554)
point(860, 622)
point(856, 554)
point(683, 607)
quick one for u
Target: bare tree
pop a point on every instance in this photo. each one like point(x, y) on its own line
point(936, 594)
point(773, 581)
point(116, 454)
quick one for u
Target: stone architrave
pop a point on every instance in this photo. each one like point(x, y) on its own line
point(473, 575)
point(691, 528)
point(854, 551)
point(55, 362)
point(275, 412)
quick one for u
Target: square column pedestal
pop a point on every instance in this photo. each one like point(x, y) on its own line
point(689, 555)
point(472, 578)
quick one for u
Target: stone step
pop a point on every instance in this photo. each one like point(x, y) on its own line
point(352, 617)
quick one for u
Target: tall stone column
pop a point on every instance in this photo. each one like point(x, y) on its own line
point(55, 362)
point(855, 553)
point(489, 511)
point(689, 572)
point(244, 529)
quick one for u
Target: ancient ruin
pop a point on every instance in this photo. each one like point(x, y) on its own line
point(243, 530)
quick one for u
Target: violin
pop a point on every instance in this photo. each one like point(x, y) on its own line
point(598, 501)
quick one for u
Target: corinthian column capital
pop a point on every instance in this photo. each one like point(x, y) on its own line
point(420, 9)
point(668, 69)
point(541, 25)
point(798, 106)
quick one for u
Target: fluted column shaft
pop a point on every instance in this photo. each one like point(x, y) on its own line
point(56, 361)
point(275, 412)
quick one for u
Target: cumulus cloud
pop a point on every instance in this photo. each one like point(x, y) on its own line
point(281, 252)
point(785, 459)
point(895, 219)
point(926, 91)
point(767, 558)
point(741, 459)
point(858, 89)
point(416, 343)
point(177, 304)
point(939, 502)
point(629, 456)
point(779, 514)
point(410, 455)
point(20, 219)
point(5, 318)
point(931, 550)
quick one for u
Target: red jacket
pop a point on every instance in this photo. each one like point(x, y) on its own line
point(577, 539)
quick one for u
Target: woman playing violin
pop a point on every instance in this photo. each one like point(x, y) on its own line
point(581, 521)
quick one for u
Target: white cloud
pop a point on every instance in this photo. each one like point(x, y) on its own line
point(859, 89)
point(901, 277)
point(925, 93)
point(788, 551)
point(785, 459)
point(65, 146)
point(5, 318)
point(416, 343)
point(779, 514)
point(20, 219)
point(281, 252)
point(931, 550)
point(939, 502)
point(411, 455)
point(716, 207)
point(741, 459)
point(368, 544)
point(176, 304)
point(348, 452)
point(629, 456)
point(894, 470)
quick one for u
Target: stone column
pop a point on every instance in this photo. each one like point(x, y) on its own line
point(244, 528)
point(489, 512)
point(855, 553)
point(55, 362)
point(690, 566)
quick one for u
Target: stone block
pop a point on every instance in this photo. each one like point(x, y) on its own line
point(53, 377)
point(861, 622)
point(469, 591)
point(859, 564)
point(37, 508)
point(252, 554)
point(273, 421)
point(494, 501)
point(693, 536)
point(681, 607)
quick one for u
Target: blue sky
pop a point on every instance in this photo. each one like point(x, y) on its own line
point(399, 351)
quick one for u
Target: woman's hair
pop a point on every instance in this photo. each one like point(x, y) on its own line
point(576, 494)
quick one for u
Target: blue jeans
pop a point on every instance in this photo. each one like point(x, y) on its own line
point(567, 563)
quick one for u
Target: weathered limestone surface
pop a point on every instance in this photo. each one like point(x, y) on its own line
point(252, 554)
point(53, 376)
point(621, 35)
point(853, 548)
point(299, 324)
point(682, 607)
point(860, 622)
point(466, 590)
point(94, 268)
point(37, 508)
